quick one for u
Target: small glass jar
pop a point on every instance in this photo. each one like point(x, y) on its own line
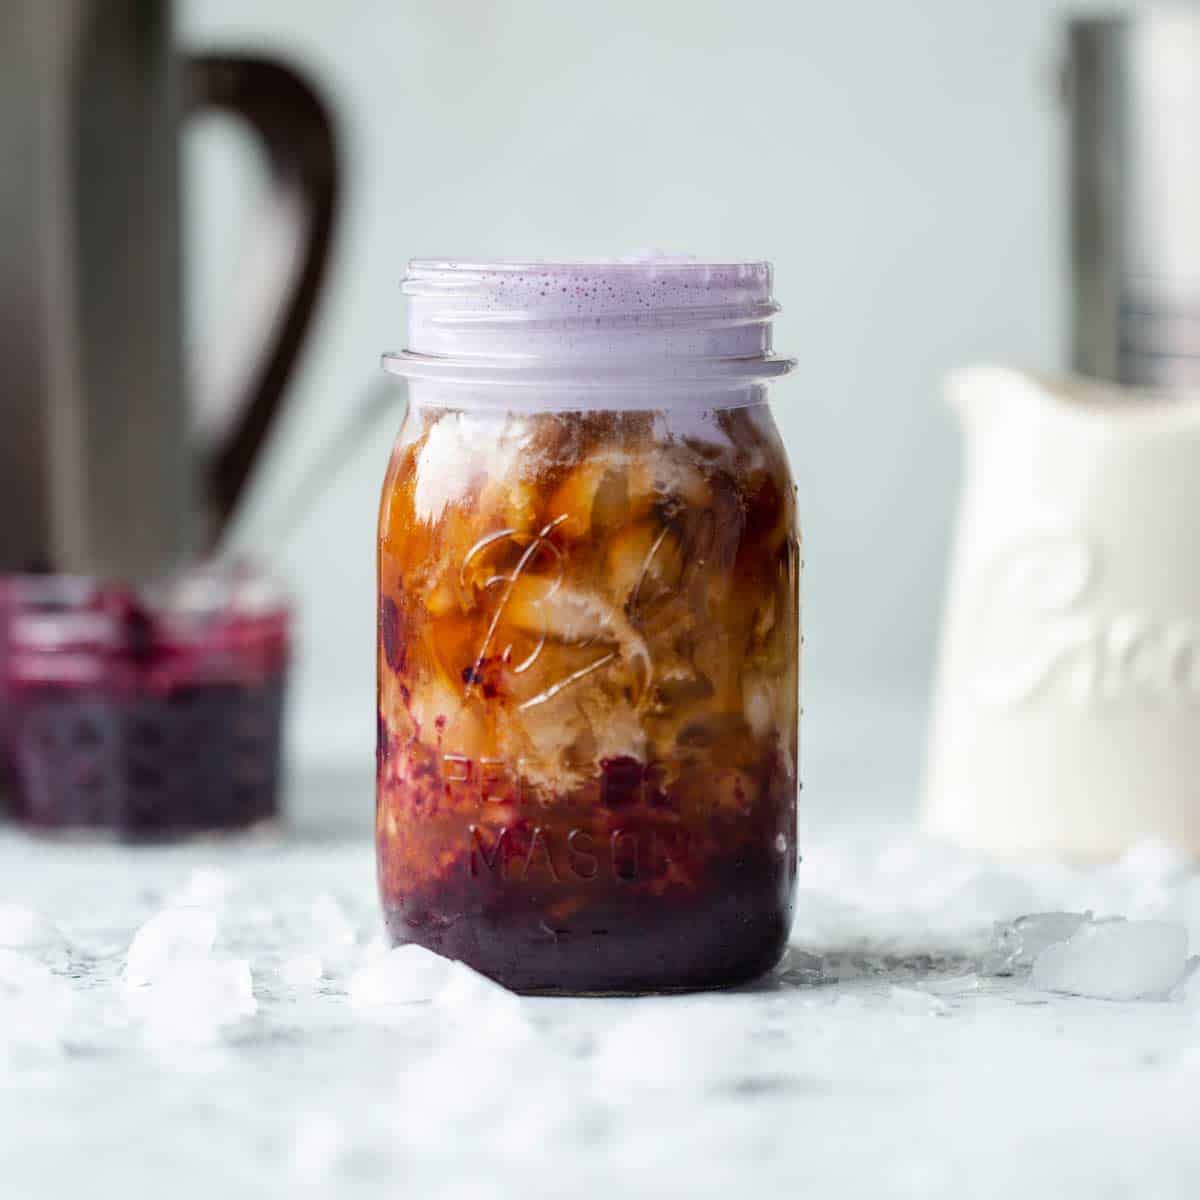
point(143, 713)
point(588, 627)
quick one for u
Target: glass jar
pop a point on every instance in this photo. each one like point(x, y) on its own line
point(143, 713)
point(588, 627)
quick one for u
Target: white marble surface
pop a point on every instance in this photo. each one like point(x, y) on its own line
point(881, 1063)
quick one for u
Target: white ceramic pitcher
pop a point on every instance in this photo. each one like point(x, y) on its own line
point(1067, 706)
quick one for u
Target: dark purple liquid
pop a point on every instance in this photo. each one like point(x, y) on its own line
point(731, 931)
point(197, 758)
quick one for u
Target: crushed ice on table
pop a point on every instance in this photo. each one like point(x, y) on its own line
point(403, 975)
point(178, 987)
point(490, 1015)
point(797, 967)
point(1115, 960)
point(925, 910)
point(1018, 943)
point(887, 933)
point(362, 1073)
point(169, 937)
point(194, 1000)
point(461, 996)
point(465, 991)
point(907, 898)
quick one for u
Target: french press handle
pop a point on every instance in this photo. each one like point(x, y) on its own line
point(238, 389)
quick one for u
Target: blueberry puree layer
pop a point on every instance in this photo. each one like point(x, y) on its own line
point(618, 887)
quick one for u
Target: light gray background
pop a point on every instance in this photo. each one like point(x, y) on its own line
point(901, 164)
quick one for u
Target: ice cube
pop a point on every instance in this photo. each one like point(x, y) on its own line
point(1115, 960)
point(919, 1003)
point(1017, 944)
point(404, 975)
point(301, 971)
point(192, 1000)
point(798, 968)
point(466, 991)
point(170, 937)
point(482, 1006)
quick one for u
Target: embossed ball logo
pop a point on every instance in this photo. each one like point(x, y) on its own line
point(536, 602)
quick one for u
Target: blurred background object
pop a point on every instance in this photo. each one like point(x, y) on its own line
point(149, 713)
point(1132, 94)
point(127, 704)
point(109, 470)
point(1065, 711)
point(1064, 719)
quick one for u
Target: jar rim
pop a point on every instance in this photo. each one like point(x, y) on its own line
point(631, 264)
point(642, 320)
point(682, 374)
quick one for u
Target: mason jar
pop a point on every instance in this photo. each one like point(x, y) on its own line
point(588, 644)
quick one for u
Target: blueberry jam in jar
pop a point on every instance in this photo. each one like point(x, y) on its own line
point(588, 647)
point(143, 713)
